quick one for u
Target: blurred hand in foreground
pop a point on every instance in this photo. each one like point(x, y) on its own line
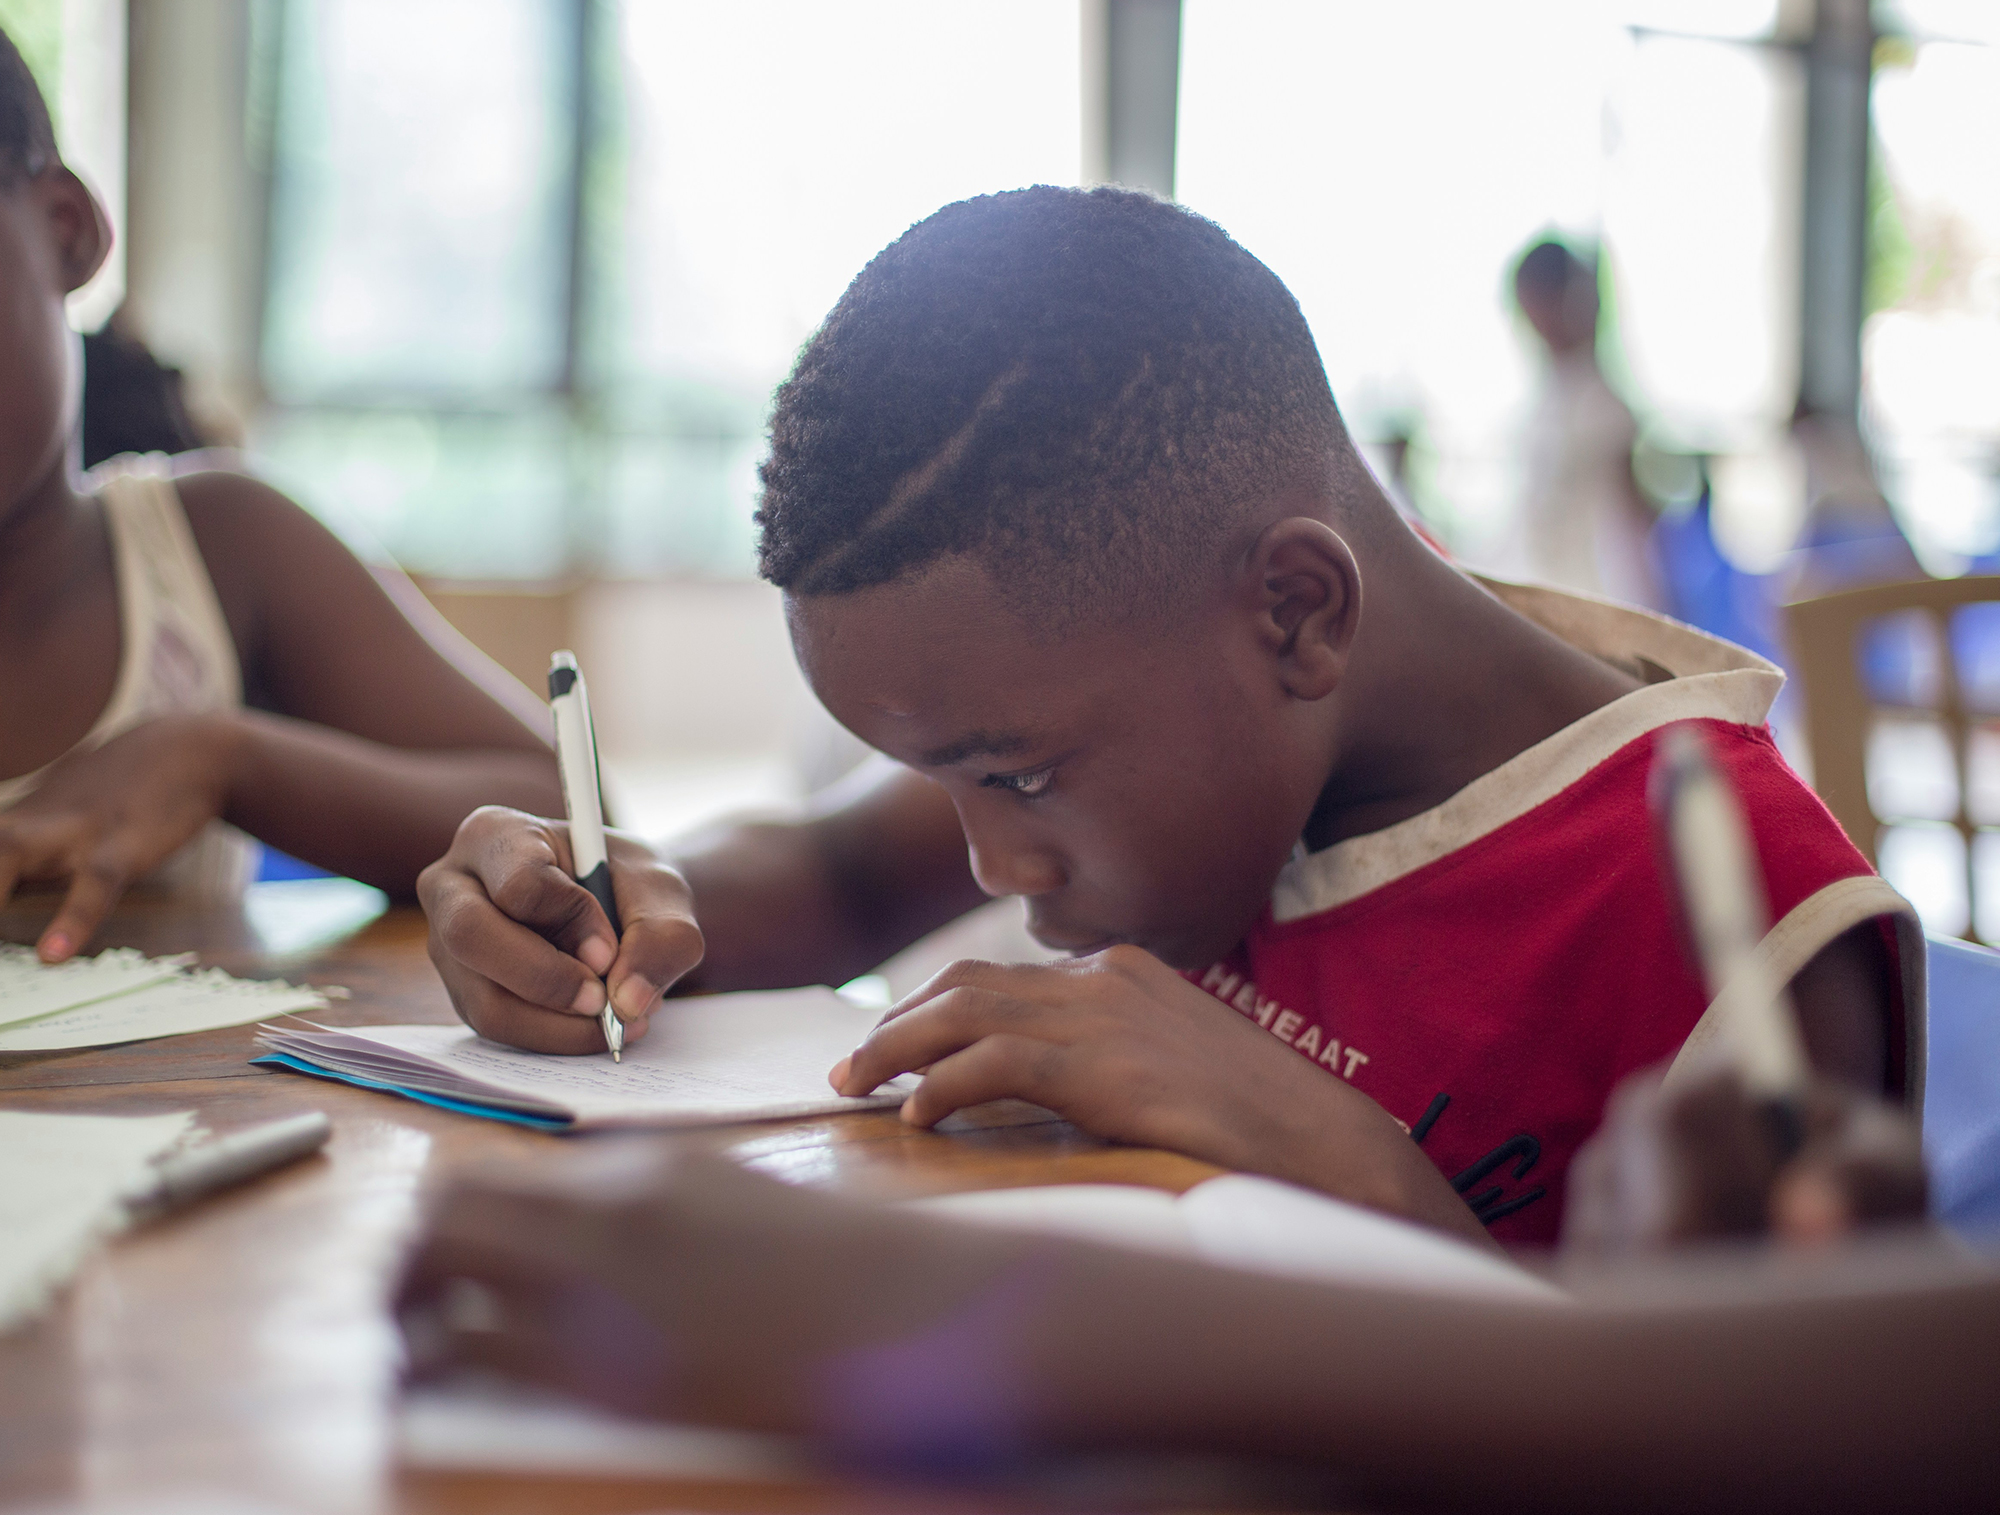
point(692, 1289)
point(1707, 1161)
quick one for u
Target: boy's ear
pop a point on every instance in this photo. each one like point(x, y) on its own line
point(81, 229)
point(1306, 590)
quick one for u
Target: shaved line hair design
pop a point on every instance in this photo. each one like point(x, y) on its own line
point(1085, 391)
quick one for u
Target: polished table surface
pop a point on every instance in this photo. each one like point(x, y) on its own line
point(244, 1346)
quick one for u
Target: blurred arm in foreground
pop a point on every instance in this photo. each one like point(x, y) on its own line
point(1827, 1378)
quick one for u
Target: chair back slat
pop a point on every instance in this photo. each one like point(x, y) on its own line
point(1823, 640)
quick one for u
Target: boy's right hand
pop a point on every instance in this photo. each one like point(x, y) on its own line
point(526, 953)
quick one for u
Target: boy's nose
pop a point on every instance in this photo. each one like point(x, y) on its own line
point(1004, 864)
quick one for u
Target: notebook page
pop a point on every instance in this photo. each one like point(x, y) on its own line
point(193, 1002)
point(62, 1182)
point(493, 1426)
point(1121, 1215)
point(706, 1059)
point(1242, 1221)
point(1259, 1223)
point(30, 988)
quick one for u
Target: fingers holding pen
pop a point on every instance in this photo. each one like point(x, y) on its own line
point(528, 954)
point(662, 943)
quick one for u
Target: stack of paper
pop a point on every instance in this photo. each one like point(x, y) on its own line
point(122, 996)
point(63, 1179)
point(707, 1060)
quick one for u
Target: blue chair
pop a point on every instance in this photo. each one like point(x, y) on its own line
point(1962, 1089)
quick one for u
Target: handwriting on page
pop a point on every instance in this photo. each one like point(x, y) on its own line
point(30, 988)
point(741, 1054)
point(173, 1007)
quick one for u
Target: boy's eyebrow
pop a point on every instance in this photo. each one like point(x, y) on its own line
point(975, 744)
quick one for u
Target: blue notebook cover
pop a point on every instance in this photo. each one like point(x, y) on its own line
point(442, 1101)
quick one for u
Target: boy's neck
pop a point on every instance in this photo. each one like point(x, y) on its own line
point(1452, 683)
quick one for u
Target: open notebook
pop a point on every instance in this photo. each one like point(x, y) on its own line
point(707, 1060)
point(1242, 1221)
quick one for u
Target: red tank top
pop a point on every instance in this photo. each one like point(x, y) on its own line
point(1489, 970)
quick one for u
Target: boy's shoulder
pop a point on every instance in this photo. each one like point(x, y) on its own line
point(1585, 785)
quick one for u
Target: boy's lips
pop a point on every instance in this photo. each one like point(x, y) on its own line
point(1075, 946)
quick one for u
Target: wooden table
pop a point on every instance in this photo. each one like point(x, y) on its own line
point(244, 1346)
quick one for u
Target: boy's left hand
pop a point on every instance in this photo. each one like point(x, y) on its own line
point(1121, 1045)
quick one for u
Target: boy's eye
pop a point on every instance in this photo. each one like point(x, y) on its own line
point(1026, 784)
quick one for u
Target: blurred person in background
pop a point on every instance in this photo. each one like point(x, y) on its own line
point(1584, 522)
point(1850, 536)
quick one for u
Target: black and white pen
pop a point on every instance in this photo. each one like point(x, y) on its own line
point(576, 757)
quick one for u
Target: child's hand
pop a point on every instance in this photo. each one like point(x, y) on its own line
point(527, 954)
point(104, 818)
point(1127, 1049)
point(689, 1289)
point(1707, 1161)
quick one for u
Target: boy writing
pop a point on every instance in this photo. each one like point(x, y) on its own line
point(179, 648)
point(1352, 850)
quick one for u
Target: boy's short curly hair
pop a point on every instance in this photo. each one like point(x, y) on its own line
point(27, 136)
point(1083, 389)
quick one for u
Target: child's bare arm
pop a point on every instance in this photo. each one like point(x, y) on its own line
point(1850, 1382)
point(373, 744)
point(878, 861)
point(323, 638)
point(521, 946)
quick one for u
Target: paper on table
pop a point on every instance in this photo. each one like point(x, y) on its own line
point(1123, 1215)
point(180, 1004)
point(1259, 1223)
point(1243, 1221)
point(705, 1060)
point(62, 1178)
point(30, 988)
point(494, 1427)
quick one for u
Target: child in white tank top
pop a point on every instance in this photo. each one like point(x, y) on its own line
point(175, 654)
point(185, 655)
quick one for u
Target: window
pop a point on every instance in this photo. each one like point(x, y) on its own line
point(535, 266)
point(1391, 161)
point(1931, 346)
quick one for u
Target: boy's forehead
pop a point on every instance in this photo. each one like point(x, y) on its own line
point(919, 646)
point(945, 666)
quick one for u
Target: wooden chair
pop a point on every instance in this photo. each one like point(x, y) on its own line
point(1824, 637)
